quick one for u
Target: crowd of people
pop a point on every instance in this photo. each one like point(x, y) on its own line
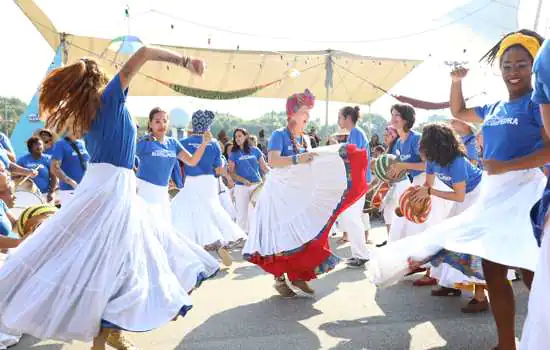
point(122, 234)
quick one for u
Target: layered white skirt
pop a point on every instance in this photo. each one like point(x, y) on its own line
point(496, 228)
point(227, 200)
point(441, 208)
point(190, 262)
point(198, 213)
point(295, 203)
point(100, 260)
point(535, 335)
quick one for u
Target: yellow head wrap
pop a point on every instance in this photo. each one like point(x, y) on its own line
point(530, 44)
point(31, 212)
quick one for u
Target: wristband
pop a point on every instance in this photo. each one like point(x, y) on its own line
point(295, 159)
point(186, 61)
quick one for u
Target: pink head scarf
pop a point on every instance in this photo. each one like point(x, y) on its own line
point(390, 129)
point(296, 101)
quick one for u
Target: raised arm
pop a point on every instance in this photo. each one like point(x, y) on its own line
point(457, 102)
point(55, 168)
point(194, 159)
point(149, 53)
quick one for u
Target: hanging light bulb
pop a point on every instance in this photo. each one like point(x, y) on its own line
point(294, 73)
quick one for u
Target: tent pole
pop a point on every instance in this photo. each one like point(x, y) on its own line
point(537, 15)
point(326, 106)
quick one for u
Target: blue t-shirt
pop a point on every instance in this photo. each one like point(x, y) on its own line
point(5, 142)
point(511, 129)
point(5, 223)
point(460, 170)
point(247, 165)
point(112, 137)
point(42, 180)
point(408, 151)
point(48, 151)
point(211, 158)
point(157, 160)
point(469, 142)
point(69, 160)
point(177, 175)
point(394, 149)
point(4, 158)
point(541, 68)
point(280, 141)
point(357, 137)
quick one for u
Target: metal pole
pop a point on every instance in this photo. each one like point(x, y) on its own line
point(326, 106)
point(537, 16)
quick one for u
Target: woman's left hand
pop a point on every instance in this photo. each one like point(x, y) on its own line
point(494, 167)
point(395, 169)
point(420, 194)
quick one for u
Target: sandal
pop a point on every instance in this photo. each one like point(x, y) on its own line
point(476, 306)
point(425, 281)
point(446, 292)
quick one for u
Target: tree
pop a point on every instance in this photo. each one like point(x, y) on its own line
point(373, 124)
point(431, 119)
point(11, 109)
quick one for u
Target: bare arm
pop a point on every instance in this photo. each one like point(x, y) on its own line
point(263, 166)
point(7, 242)
point(19, 170)
point(12, 218)
point(457, 195)
point(277, 161)
point(56, 170)
point(148, 53)
point(457, 102)
point(430, 179)
point(11, 156)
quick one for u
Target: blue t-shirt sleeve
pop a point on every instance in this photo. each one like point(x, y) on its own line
point(177, 147)
point(429, 168)
point(233, 156)
point(3, 206)
point(536, 115)
point(113, 96)
point(275, 142)
point(58, 152)
point(416, 144)
point(257, 153)
point(541, 93)
point(458, 170)
point(5, 142)
point(483, 111)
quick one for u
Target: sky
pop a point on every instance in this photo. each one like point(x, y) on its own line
point(434, 32)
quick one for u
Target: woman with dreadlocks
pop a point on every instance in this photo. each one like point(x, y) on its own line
point(99, 265)
point(301, 198)
point(497, 227)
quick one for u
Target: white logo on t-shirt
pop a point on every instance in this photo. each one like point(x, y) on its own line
point(496, 121)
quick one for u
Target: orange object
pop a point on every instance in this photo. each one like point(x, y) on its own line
point(380, 194)
point(415, 212)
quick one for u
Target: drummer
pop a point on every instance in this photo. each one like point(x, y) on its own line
point(48, 138)
point(69, 162)
point(36, 159)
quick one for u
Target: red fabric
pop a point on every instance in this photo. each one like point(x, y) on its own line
point(302, 264)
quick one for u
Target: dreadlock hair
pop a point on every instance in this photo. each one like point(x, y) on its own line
point(246, 144)
point(71, 96)
point(440, 144)
point(491, 55)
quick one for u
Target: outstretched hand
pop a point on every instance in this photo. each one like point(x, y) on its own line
point(197, 66)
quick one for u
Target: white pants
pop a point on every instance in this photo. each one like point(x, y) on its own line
point(242, 204)
point(351, 221)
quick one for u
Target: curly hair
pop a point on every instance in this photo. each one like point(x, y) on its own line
point(408, 114)
point(491, 55)
point(71, 96)
point(440, 144)
point(33, 140)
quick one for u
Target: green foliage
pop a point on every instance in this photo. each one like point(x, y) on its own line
point(11, 109)
point(431, 119)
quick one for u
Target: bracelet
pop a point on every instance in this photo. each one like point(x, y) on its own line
point(295, 159)
point(186, 61)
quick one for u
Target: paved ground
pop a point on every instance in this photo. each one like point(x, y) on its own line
point(239, 310)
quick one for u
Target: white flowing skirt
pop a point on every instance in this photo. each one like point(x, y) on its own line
point(535, 335)
point(496, 228)
point(98, 260)
point(296, 202)
point(227, 200)
point(198, 213)
point(189, 261)
point(441, 208)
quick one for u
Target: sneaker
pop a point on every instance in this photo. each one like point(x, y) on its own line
point(283, 289)
point(304, 287)
point(118, 341)
point(382, 244)
point(225, 256)
point(356, 262)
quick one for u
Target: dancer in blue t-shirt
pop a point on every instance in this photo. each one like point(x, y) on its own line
point(351, 220)
point(105, 260)
point(197, 210)
point(247, 167)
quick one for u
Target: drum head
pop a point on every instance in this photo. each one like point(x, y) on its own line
point(24, 199)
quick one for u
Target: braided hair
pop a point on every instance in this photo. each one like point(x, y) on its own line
point(491, 55)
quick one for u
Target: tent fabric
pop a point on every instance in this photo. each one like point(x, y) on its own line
point(236, 70)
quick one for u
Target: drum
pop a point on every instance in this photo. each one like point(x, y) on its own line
point(378, 197)
point(24, 199)
point(415, 212)
point(25, 183)
point(254, 195)
point(382, 166)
